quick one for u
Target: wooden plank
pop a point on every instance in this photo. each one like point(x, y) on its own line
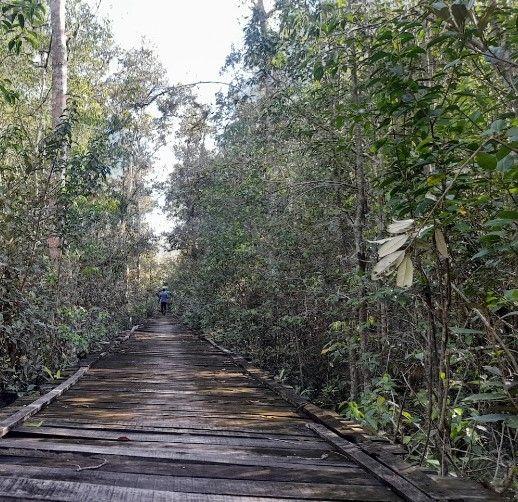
point(190, 438)
point(124, 449)
point(320, 452)
point(304, 435)
point(363, 490)
point(85, 396)
point(135, 465)
point(180, 409)
point(400, 485)
point(235, 425)
point(68, 491)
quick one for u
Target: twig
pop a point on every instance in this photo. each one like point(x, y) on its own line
point(91, 467)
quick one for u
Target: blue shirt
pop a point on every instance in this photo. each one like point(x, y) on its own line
point(164, 296)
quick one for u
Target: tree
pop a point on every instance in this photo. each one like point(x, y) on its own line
point(58, 54)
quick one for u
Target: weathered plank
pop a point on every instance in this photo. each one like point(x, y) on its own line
point(123, 426)
point(67, 491)
point(135, 465)
point(191, 438)
point(174, 454)
point(361, 490)
point(271, 449)
point(400, 485)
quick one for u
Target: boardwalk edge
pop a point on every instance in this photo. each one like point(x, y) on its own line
point(27, 411)
point(356, 436)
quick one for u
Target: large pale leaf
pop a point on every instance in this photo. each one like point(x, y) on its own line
point(379, 241)
point(400, 226)
point(510, 420)
point(424, 230)
point(393, 244)
point(440, 242)
point(485, 396)
point(387, 264)
point(405, 273)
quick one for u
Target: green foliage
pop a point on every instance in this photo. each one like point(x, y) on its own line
point(366, 140)
point(84, 180)
point(376, 408)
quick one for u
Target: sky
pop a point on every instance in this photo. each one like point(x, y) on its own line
point(192, 39)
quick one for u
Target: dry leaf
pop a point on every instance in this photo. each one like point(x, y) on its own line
point(387, 264)
point(393, 244)
point(405, 273)
point(440, 242)
point(379, 241)
point(399, 226)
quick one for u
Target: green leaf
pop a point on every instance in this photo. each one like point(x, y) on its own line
point(483, 252)
point(465, 331)
point(511, 295)
point(38, 423)
point(486, 161)
point(508, 162)
point(499, 222)
point(492, 417)
point(496, 127)
point(493, 370)
point(318, 71)
point(512, 134)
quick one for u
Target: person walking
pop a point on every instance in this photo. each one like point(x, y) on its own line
point(164, 298)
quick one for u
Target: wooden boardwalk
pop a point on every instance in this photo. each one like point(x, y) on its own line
point(170, 417)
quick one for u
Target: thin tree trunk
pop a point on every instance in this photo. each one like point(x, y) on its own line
point(359, 224)
point(58, 52)
point(262, 16)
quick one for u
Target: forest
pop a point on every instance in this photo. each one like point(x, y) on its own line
point(345, 216)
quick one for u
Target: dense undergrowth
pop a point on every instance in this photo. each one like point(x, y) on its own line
point(354, 230)
point(82, 182)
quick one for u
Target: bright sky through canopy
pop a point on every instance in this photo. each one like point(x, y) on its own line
point(192, 38)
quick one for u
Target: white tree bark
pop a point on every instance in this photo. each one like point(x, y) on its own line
point(58, 53)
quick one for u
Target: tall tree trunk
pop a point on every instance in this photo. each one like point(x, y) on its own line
point(58, 52)
point(262, 16)
point(360, 223)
